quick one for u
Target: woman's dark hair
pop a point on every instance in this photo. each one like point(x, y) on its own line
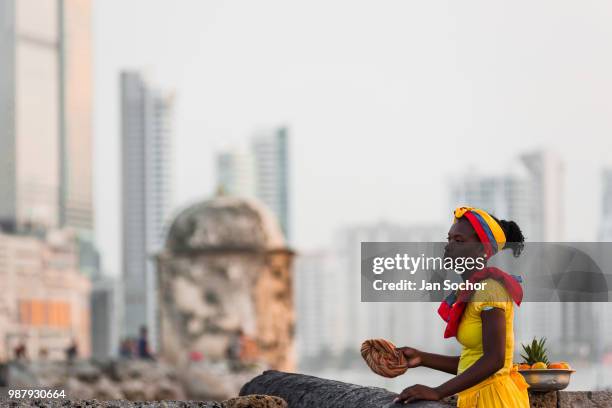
point(514, 236)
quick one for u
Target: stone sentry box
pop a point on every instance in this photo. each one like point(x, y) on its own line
point(226, 268)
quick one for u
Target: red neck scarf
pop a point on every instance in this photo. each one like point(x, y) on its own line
point(451, 309)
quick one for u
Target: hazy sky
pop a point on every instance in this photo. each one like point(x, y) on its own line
point(385, 99)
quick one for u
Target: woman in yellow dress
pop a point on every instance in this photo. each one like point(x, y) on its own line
point(481, 320)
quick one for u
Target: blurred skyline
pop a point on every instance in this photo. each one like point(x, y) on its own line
point(364, 122)
point(385, 102)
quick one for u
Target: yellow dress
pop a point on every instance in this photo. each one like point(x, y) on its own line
point(506, 388)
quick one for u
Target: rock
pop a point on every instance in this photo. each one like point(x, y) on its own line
point(21, 376)
point(166, 371)
point(304, 391)
point(601, 398)
point(51, 374)
point(203, 385)
point(167, 390)
point(108, 367)
point(573, 399)
point(134, 390)
point(255, 401)
point(106, 390)
point(134, 369)
point(78, 390)
point(86, 372)
point(543, 399)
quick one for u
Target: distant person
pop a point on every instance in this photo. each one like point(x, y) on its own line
point(132, 344)
point(143, 349)
point(126, 349)
point(21, 352)
point(234, 350)
point(72, 351)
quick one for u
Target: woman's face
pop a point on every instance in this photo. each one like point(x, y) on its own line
point(463, 241)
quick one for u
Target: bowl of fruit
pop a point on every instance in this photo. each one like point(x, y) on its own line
point(540, 374)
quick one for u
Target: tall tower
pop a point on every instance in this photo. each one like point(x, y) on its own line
point(146, 194)
point(29, 114)
point(76, 133)
point(45, 115)
point(605, 232)
point(271, 151)
point(236, 172)
point(604, 310)
point(546, 175)
point(76, 79)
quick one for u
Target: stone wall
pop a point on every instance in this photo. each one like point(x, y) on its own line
point(285, 390)
point(251, 401)
point(303, 391)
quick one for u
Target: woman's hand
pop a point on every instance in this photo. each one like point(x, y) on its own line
point(413, 356)
point(418, 392)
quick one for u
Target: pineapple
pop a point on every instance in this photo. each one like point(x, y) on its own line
point(535, 352)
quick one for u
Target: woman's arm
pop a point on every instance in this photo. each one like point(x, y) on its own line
point(447, 364)
point(494, 347)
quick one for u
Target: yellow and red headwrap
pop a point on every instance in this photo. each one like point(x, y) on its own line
point(488, 230)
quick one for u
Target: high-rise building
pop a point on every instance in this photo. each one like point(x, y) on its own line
point(546, 175)
point(45, 114)
point(29, 114)
point(105, 311)
point(271, 151)
point(576, 320)
point(45, 120)
point(45, 299)
point(320, 305)
point(76, 96)
point(146, 114)
point(605, 231)
point(236, 172)
point(261, 171)
point(604, 310)
point(76, 133)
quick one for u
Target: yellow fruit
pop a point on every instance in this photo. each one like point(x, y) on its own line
point(539, 366)
point(565, 365)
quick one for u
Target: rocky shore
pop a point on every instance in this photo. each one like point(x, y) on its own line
point(132, 380)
